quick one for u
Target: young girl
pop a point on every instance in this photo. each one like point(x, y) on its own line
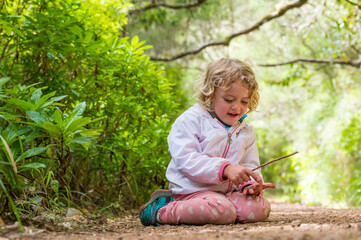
point(213, 150)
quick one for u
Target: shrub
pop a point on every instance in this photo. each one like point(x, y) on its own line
point(57, 44)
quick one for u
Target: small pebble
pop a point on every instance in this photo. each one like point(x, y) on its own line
point(346, 225)
point(296, 223)
point(72, 212)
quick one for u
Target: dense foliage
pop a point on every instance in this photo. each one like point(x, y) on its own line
point(104, 144)
point(37, 141)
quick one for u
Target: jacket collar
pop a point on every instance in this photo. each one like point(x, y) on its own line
point(206, 114)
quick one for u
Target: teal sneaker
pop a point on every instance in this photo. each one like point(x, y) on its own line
point(148, 211)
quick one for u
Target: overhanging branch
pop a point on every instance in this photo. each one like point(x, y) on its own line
point(165, 5)
point(228, 39)
point(355, 4)
point(353, 63)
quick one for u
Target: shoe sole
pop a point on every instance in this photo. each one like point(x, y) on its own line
point(155, 195)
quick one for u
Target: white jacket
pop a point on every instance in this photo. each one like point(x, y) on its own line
point(199, 145)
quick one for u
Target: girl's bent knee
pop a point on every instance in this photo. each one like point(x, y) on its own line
point(222, 211)
point(254, 209)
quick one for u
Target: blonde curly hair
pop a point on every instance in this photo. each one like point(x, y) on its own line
point(222, 73)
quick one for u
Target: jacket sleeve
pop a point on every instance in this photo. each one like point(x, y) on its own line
point(186, 151)
point(250, 157)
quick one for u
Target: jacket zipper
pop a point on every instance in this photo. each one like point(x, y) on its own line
point(226, 149)
point(229, 138)
point(229, 141)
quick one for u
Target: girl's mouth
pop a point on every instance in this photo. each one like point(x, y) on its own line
point(233, 115)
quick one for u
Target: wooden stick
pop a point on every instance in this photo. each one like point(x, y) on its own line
point(3, 224)
point(277, 159)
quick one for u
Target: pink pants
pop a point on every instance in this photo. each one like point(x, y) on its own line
point(214, 208)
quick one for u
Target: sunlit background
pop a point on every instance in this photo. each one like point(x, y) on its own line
point(313, 108)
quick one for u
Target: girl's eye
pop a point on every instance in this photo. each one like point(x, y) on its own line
point(245, 103)
point(228, 100)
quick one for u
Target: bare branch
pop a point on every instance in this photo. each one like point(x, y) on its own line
point(356, 50)
point(355, 4)
point(226, 41)
point(165, 5)
point(277, 159)
point(353, 63)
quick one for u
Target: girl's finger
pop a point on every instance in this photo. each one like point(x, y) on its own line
point(255, 176)
point(245, 177)
point(268, 185)
point(240, 182)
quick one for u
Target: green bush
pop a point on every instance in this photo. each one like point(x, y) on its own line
point(77, 49)
point(37, 138)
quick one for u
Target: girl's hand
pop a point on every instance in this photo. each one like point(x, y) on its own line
point(255, 189)
point(239, 175)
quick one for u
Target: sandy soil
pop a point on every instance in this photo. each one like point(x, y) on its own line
point(287, 221)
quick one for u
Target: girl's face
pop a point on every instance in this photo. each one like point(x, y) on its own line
point(230, 105)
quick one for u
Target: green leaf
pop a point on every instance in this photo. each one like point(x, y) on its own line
point(97, 119)
point(85, 146)
point(51, 101)
point(57, 117)
point(36, 96)
point(78, 124)
point(7, 116)
point(90, 132)
point(83, 139)
point(5, 163)
point(55, 185)
point(32, 152)
point(26, 106)
point(9, 26)
point(141, 49)
point(78, 111)
point(134, 41)
point(50, 127)
point(43, 99)
point(3, 80)
point(12, 204)
point(28, 166)
point(36, 117)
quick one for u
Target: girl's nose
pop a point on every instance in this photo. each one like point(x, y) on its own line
point(235, 106)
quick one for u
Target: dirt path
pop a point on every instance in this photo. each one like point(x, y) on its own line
point(287, 221)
